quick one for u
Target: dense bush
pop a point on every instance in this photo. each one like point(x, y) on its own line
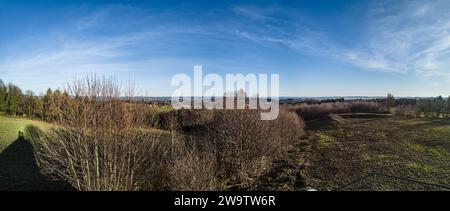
point(178, 119)
point(193, 166)
point(316, 111)
point(366, 107)
point(321, 110)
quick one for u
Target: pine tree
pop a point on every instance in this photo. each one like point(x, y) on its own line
point(3, 94)
point(12, 100)
point(28, 104)
point(48, 105)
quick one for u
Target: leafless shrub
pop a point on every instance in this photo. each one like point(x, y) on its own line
point(100, 142)
point(321, 110)
point(405, 110)
point(182, 119)
point(193, 167)
point(230, 149)
point(365, 107)
point(245, 146)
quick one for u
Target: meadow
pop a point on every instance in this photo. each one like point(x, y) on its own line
point(378, 153)
point(10, 127)
point(18, 168)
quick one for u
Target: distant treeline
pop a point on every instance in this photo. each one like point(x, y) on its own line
point(434, 107)
point(15, 102)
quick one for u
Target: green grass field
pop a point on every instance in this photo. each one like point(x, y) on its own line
point(10, 127)
point(18, 169)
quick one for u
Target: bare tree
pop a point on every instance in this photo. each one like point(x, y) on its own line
point(100, 142)
point(244, 146)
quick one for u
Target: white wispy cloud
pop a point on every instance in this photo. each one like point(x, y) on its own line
point(72, 53)
point(407, 37)
point(58, 58)
point(414, 37)
point(402, 37)
point(253, 12)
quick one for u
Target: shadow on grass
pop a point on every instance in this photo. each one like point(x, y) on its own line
point(321, 124)
point(365, 115)
point(439, 122)
point(424, 122)
point(19, 172)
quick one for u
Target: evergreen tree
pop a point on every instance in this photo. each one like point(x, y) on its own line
point(13, 99)
point(3, 94)
point(48, 105)
point(39, 111)
point(29, 103)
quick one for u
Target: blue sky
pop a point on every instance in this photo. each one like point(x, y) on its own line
point(319, 48)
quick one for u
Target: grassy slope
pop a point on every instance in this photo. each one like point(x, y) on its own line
point(18, 169)
point(10, 127)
